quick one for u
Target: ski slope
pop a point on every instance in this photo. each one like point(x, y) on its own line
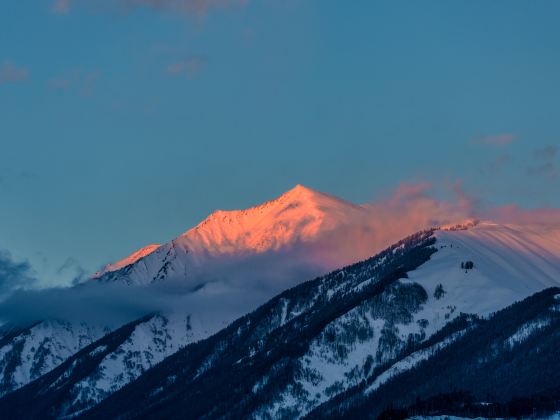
point(511, 262)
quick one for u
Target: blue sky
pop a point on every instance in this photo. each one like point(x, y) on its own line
point(122, 123)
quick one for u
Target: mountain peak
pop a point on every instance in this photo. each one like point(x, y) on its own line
point(300, 214)
point(300, 189)
point(302, 195)
point(132, 258)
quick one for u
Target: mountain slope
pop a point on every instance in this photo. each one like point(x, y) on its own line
point(131, 259)
point(28, 353)
point(403, 323)
point(493, 370)
point(362, 324)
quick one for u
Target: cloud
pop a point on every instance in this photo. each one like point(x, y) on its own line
point(73, 268)
point(83, 81)
point(545, 163)
point(548, 152)
point(10, 73)
point(61, 6)
point(14, 275)
point(189, 7)
point(190, 66)
point(60, 83)
point(497, 140)
point(89, 83)
point(192, 7)
point(496, 165)
point(105, 304)
point(512, 213)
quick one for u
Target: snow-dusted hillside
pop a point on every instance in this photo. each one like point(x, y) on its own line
point(27, 354)
point(511, 262)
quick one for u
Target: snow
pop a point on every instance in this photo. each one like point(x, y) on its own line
point(132, 258)
point(410, 361)
point(526, 330)
point(42, 348)
point(323, 370)
point(98, 350)
point(150, 342)
point(510, 263)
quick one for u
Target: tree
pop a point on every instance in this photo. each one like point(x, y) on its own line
point(468, 265)
point(439, 292)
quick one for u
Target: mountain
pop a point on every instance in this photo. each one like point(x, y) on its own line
point(234, 259)
point(325, 346)
point(299, 215)
point(281, 311)
point(323, 338)
point(393, 310)
point(298, 218)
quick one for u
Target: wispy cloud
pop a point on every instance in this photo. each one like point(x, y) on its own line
point(14, 275)
point(192, 7)
point(60, 83)
point(89, 83)
point(72, 267)
point(61, 6)
point(11, 73)
point(191, 66)
point(496, 165)
point(497, 139)
point(545, 163)
point(84, 82)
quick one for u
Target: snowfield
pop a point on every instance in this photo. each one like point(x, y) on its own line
point(511, 262)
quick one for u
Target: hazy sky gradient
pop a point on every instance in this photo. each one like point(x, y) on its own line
point(123, 124)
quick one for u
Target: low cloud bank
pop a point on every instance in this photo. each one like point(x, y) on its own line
point(230, 286)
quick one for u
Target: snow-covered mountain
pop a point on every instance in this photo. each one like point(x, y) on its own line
point(299, 218)
point(268, 236)
point(361, 324)
point(347, 333)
